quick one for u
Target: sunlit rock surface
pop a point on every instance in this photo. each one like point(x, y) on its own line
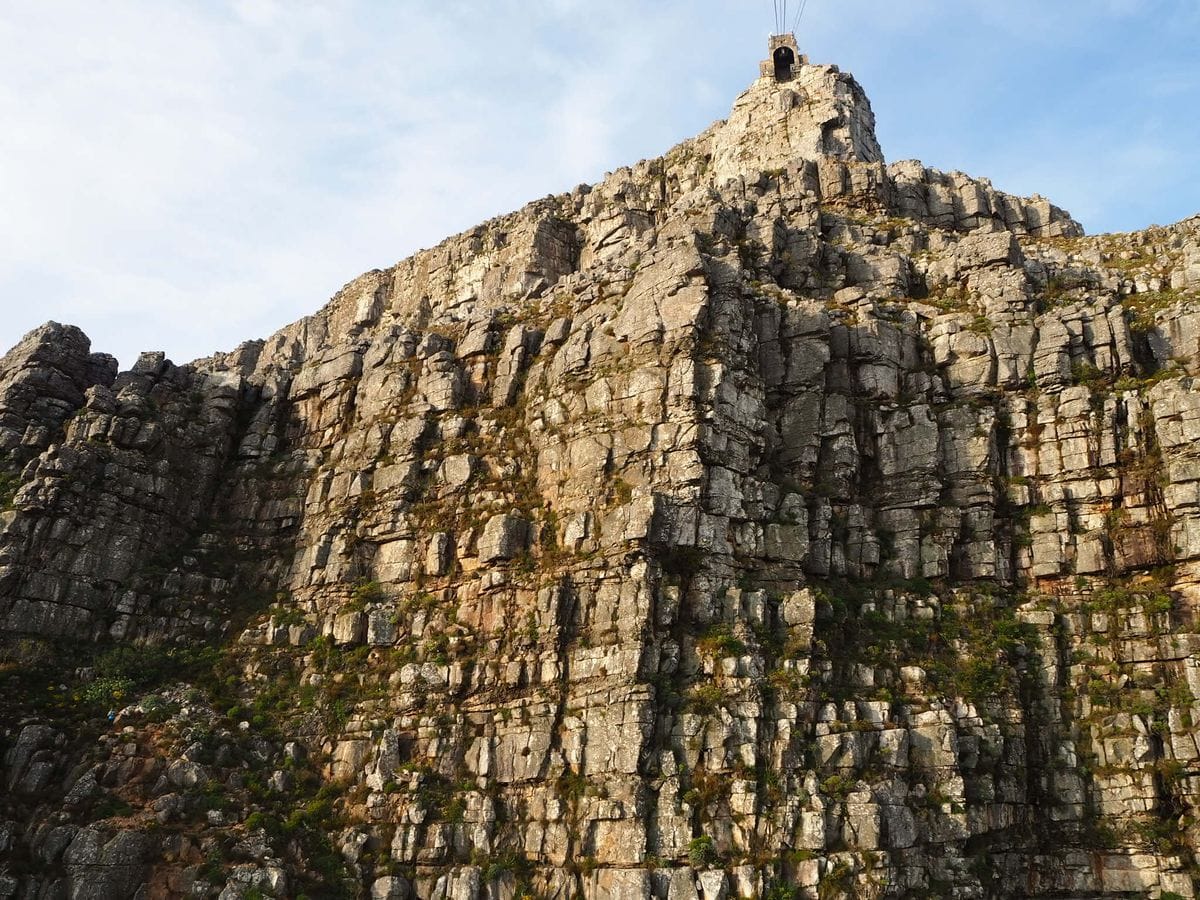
point(763, 521)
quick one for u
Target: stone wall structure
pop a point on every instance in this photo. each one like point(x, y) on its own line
point(763, 521)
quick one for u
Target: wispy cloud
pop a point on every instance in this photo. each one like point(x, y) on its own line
point(188, 175)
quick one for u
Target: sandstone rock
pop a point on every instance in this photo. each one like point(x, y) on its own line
point(393, 887)
point(714, 886)
point(724, 414)
point(29, 761)
point(504, 537)
point(349, 629)
point(100, 868)
point(43, 382)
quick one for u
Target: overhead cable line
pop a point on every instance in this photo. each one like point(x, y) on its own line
point(799, 15)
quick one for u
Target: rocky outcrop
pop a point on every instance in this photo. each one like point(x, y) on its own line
point(42, 384)
point(764, 521)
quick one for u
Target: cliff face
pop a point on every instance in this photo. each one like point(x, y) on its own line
point(764, 521)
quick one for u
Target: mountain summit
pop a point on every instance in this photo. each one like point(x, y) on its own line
point(764, 521)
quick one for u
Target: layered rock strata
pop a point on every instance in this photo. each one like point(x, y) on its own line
point(763, 521)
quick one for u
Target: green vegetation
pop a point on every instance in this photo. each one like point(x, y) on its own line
point(837, 883)
point(505, 864)
point(702, 852)
point(981, 324)
point(838, 787)
point(1140, 309)
point(1149, 596)
point(972, 646)
point(118, 676)
point(719, 641)
point(705, 699)
point(1059, 290)
point(10, 483)
point(363, 593)
point(1097, 381)
point(288, 616)
point(782, 891)
point(621, 491)
point(110, 807)
point(305, 816)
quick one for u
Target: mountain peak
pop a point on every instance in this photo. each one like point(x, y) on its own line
point(796, 110)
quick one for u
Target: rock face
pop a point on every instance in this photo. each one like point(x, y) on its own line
point(764, 521)
point(43, 381)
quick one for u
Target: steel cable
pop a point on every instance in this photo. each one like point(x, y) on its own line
point(800, 15)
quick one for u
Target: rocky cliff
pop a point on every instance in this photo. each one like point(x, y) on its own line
point(763, 521)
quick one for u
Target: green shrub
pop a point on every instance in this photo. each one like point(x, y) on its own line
point(10, 483)
point(108, 690)
point(268, 823)
point(702, 852)
point(705, 699)
point(121, 672)
point(364, 593)
point(837, 883)
point(720, 641)
point(839, 787)
point(111, 807)
point(1087, 375)
point(782, 891)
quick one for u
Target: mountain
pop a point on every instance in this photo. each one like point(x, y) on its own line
point(764, 521)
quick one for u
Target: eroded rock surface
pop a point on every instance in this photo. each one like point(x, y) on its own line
point(764, 521)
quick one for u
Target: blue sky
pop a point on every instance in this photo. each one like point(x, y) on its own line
point(186, 175)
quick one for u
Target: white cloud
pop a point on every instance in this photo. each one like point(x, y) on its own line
point(188, 175)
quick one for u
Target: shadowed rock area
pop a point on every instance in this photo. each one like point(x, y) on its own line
point(765, 521)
